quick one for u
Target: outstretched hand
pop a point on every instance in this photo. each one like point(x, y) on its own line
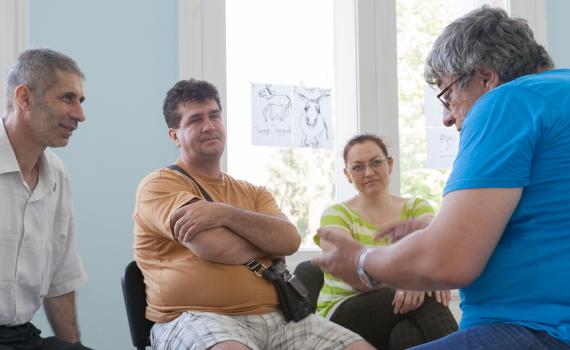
point(342, 260)
point(397, 230)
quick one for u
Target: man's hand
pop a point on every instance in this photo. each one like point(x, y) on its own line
point(342, 259)
point(196, 217)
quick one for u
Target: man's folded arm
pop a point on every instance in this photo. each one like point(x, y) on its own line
point(216, 244)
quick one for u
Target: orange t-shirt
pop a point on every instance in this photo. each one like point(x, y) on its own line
point(177, 280)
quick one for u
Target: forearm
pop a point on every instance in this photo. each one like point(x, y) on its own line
point(220, 245)
point(417, 262)
point(273, 234)
point(60, 312)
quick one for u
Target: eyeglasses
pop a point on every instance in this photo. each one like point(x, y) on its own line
point(442, 96)
point(360, 168)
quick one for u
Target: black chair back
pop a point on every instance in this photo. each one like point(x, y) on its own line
point(312, 277)
point(135, 302)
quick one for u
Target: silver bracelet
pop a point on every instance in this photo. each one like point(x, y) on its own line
point(364, 277)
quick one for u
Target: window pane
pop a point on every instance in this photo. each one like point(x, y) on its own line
point(419, 23)
point(286, 42)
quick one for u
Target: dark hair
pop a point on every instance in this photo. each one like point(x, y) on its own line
point(486, 38)
point(187, 91)
point(37, 69)
point(361, 138)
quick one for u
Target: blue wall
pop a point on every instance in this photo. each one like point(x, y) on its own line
point(558, 28)
point(128, 51)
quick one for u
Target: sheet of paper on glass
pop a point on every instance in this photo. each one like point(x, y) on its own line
point(291, 116)
point(442, 142)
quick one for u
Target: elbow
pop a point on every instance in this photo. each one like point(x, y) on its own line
point(291, 243)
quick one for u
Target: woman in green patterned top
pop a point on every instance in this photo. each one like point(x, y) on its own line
point(388, 319)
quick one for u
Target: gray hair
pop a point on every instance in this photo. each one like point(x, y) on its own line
point(486, 38)
point(37, 69)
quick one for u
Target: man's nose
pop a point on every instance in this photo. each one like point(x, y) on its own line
point(448, 118)
point(78, 113)
point(209, 124)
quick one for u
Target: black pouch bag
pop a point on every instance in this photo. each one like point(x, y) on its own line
point(292, 294)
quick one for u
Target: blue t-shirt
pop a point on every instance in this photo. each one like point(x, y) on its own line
point(518, 136)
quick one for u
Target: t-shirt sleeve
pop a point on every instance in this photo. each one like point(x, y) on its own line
point(158, 196)
point(420, 207)
point(334, 217)
point(265, 202)
point(497, 142)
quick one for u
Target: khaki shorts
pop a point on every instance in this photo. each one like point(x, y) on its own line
point(202, 330)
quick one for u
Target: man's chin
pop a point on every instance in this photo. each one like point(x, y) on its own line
point(211, 151)
point(62, 142)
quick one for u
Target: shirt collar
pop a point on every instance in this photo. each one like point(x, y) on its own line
point(9, 164)
point(8, 161)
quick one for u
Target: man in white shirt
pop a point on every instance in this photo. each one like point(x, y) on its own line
point(38, 259)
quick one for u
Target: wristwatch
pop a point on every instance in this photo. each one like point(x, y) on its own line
point(364, 277)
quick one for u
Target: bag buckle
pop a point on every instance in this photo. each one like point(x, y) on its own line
point(257, 267)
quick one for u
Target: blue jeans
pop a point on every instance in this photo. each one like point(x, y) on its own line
point(497, 336)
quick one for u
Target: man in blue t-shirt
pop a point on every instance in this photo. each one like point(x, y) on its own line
point(503, 232)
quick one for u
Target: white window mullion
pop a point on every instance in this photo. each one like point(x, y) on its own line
point(534, 11)
point(14, 38)
point(377, 75)
point(202, 45)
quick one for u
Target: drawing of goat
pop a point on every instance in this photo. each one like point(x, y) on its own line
point(313, 124)
point(278, 106)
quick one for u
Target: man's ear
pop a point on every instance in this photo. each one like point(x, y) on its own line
point(489, 78)
point(347, 174)
point(173, 136)
point(23, 96)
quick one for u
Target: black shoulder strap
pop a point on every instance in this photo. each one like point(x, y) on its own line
point(202, 190)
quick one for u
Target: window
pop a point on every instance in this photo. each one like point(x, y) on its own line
point(417, 29)
point(287, 42)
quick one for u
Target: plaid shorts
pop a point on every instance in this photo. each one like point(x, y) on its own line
point(202, 330)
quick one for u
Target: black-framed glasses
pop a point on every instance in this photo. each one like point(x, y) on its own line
point(359, 168)
point(442, 96)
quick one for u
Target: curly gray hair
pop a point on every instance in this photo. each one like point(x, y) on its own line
point(37, 68)
point(486, 38)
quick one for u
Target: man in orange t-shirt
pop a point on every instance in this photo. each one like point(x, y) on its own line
point(192, 251)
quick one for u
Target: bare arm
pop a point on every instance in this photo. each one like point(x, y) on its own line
point(210, 230)
point(450, 253)
point(214, 243)
point(274, 234)
point(60, 312)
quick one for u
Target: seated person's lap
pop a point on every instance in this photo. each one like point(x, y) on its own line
point(201, 330)
point(497, 336)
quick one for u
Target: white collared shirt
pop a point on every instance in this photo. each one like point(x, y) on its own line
point(37, 240)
